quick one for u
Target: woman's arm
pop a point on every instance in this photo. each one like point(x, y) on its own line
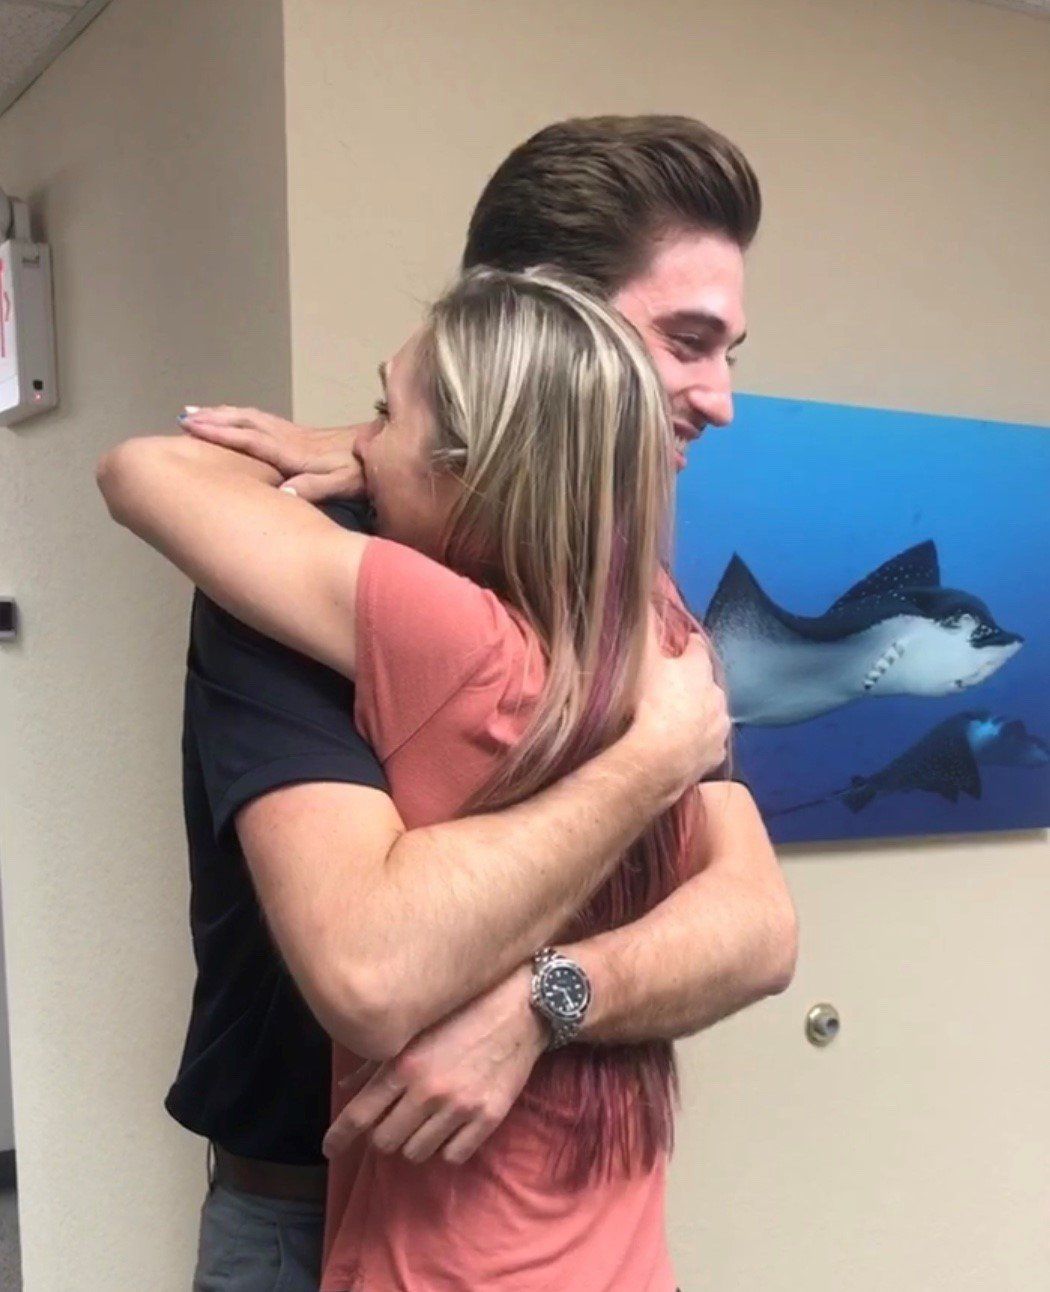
point(267, 557)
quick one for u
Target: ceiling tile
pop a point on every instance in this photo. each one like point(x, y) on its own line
point(24, 35)
point(1040, 7)
point(32, 35)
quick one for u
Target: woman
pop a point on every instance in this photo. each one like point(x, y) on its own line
point(520, 469)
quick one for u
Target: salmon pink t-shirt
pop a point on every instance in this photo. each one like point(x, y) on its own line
point(447, 678)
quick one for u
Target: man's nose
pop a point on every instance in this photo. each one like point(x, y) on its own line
point(713, 403)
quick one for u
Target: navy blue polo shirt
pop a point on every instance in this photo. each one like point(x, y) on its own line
point(256, 1067)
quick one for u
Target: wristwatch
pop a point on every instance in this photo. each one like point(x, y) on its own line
point(561, 993)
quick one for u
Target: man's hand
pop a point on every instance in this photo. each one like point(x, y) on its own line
point(682, 719)
point(316, 463)
point(452, 1086)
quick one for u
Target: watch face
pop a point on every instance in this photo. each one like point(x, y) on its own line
point(565, 991)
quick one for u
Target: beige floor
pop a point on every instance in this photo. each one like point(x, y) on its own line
point(10, 1257)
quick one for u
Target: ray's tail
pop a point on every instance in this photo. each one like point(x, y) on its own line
point(859, 795)
point(855, 797)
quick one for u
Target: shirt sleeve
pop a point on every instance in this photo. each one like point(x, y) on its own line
point(424, 633)
point(262, 716)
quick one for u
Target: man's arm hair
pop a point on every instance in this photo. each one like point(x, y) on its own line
point(386, 931)
point(722, 941)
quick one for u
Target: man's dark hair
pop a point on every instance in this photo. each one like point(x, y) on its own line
point(594, 195)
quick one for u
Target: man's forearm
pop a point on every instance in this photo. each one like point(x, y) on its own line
point(458, 906)
point(725, 939)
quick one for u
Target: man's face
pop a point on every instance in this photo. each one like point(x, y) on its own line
point(688, 305)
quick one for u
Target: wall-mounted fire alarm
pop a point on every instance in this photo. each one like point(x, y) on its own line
point(28, 380)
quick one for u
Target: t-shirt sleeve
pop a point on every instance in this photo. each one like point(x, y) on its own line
point(259, 716)
point(423, 634)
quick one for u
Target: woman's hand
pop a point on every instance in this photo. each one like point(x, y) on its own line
point(452, 1086)
point(316, 463)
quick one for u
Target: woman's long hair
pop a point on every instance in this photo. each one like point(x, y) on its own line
point(551, 413)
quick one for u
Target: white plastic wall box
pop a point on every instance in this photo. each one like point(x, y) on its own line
point(28, 379)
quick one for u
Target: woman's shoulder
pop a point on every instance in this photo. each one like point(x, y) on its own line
point(427, 635)
point(444, 606)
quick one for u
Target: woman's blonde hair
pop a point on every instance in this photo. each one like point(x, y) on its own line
point(550, 412)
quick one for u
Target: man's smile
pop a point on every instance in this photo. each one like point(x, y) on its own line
point(684, 434)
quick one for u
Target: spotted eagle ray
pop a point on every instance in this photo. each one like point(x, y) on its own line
point(946, 761)
point(896, 632)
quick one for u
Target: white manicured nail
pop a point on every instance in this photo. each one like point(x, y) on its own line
point(290, 489)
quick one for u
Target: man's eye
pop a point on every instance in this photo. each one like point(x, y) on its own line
point(382, 408)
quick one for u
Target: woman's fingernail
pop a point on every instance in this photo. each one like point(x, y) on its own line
point(295, 494)
point(191, 409)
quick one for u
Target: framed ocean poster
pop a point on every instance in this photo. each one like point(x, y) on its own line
point(875, 583)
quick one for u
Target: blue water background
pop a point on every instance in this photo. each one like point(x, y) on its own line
point(814, 497)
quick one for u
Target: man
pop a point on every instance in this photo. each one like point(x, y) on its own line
point(656, 212)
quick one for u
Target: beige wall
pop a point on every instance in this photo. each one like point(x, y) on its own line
point(902, 147)
point(152, 155)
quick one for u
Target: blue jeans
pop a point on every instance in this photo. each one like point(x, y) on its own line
point(253, 1244)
